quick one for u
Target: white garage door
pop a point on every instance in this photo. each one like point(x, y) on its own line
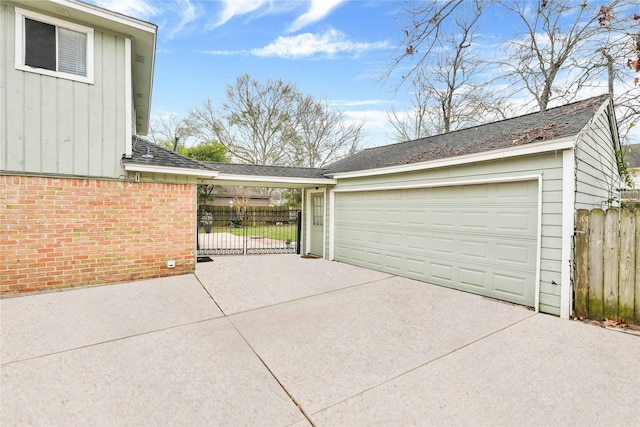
point(477, 238)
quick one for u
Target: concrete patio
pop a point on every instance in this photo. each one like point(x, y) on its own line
point(279, 340)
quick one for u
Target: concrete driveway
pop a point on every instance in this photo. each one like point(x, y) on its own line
point(279, 340)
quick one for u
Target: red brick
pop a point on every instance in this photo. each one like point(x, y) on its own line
point(74, 232)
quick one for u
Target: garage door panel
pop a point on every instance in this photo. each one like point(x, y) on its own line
point(441, 219)
point(475, 249)
point(517, 256)
point(472, 278)
point(441, 272)
point(474, 220)
point(509, 286)
point(515, 222)
point(479, 238)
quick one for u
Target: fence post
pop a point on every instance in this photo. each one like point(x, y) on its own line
point(627, 265)
point(611, 253)
point(596, 272)
point(637, 273)
point(582, 263)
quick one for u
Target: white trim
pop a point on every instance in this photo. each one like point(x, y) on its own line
point(128, 96)
point(522, 150)
point(21, 14)
point(107, 14)
point(332, 228)
point(520, 178)
point(279, 179)
point(201, 173)
point(539, 247)
point(568, 224)
point(310, 220)
point(452, 183)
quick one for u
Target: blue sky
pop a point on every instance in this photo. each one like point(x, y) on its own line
point(335, 50)
point(332, 49)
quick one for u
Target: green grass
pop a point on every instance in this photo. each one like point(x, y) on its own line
point(282, 232)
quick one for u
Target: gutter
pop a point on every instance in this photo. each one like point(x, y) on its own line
point(200, 173)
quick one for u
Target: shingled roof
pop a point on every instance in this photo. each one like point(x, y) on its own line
point(149, 154)
point(554, 123)
point(160, 156)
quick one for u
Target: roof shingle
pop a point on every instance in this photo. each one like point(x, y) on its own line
point(554, 123)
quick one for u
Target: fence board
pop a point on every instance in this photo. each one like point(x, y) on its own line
point(607, 265)
point(627, 265)
point(582, 264)
point(637, 275)
point(596, 264)
point(611, 253)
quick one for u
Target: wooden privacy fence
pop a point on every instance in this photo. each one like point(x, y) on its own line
point(607, 281)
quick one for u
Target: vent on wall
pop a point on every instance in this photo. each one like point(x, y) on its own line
point(140, 59)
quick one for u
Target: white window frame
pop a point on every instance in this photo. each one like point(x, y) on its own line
point(21, 14)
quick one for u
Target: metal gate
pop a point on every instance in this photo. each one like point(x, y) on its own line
point(225, 230)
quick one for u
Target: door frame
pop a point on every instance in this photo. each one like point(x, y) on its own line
point(309, 219)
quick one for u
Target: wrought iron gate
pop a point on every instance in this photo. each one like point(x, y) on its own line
point(225, 230)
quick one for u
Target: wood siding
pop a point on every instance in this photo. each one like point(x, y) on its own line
point(58, 126)
point(597, 176)
point(548, 164)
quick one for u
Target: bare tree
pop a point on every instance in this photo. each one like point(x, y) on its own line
point(274, 124)
point(561, 49)
point(323, 135)
point(446, 92)
point(558, 37)
point(169, 131)
point(255, 122)
point(427, 20)
point(419, 120)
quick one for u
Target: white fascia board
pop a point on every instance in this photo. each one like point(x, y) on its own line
point(277, 179)
point(201, 173)
point(437, 184)
point(107, 14)
point(522, 150)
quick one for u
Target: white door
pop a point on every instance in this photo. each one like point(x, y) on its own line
point(316, 237)
point(477, 238)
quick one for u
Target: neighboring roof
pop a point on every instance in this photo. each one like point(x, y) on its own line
point(143, 44)
point(554, 123)
point(631, 155)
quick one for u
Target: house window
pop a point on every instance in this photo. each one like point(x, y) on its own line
point(53, 47)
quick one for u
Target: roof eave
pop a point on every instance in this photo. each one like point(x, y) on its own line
point(272, 181)
point(199, 173)
point(521, 150)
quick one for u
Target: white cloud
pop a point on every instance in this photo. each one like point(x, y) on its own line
point(306, 45)
point(141, 9)
point(317, 10)
point(237, 7)
point(186, 13)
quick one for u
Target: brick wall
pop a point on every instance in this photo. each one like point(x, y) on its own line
point(63, 232)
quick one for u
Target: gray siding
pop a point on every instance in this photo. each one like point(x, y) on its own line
point(549, 165)
point(597, 176)
point(58, 126)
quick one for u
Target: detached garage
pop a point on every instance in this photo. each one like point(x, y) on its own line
point(488, 210)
